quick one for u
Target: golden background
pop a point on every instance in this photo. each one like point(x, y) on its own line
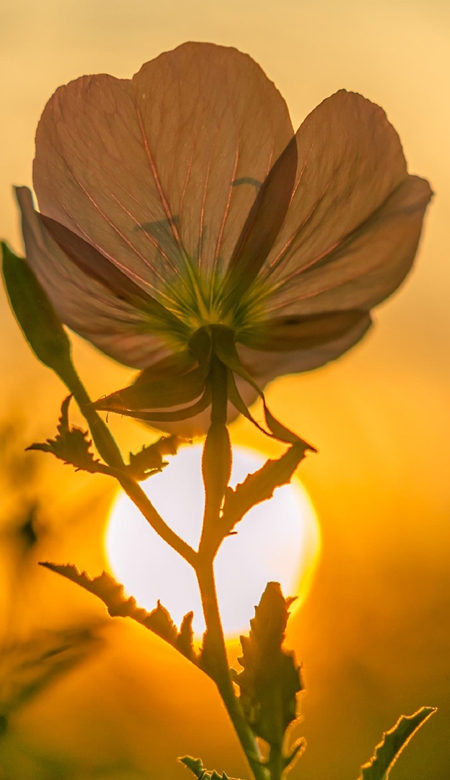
point(373, 635)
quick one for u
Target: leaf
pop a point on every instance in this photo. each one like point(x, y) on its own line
point(270, 680)
point(393, 743)
point(111, 593)
point(36, 316)
point(72, 445)
point(197, 768)
point(150, 459)
point(296, 750)
point(260, 485)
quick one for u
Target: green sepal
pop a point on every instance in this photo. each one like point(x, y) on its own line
point(172, 386)
point(175, 416)
point(163, 394)
point(393, 743)
point(36, 316)
point(111, 593)
point(225, 348)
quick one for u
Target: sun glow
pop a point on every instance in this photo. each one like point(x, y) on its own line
point(277, 540)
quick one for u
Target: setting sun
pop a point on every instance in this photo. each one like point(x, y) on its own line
point(278, 540)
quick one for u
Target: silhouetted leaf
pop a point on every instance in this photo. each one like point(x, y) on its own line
point(72, 445)
point(197, 768)
point(393, 743)
point(111, 593)
point(260, 485)
point(150, 459)
point(36, 316)
point(185, 638)
point(295, 751)
point(270, 680)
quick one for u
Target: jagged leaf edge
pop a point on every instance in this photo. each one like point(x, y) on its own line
point(393, 743)
point(149, 459)
point(158, 621)
point(260, 485)
point(248, 643)
point(196, 767)
point(72, 445)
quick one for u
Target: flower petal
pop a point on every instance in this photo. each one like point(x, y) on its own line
point(305, 351)
point(262, 226)
point(82, 302)
point(355, 216)
point(161, 172)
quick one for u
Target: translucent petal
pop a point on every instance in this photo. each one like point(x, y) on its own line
point(368, 266)
point(355, 214)
point(85, 305)
point(303, 353)
point(164, 167)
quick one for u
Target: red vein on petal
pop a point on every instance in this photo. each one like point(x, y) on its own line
point(151, 238)
point(158, 184)
point(284, 249)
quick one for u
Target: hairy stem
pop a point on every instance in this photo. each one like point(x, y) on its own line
point(102, 436)
point(217, 666)
point(143, 503)
point(109, 451)
point(276, 763)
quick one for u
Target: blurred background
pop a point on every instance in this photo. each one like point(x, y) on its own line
point(83, 697)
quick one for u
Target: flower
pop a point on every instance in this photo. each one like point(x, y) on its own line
point(181, 217)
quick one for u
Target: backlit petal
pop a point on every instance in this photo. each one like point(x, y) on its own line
point(355, 215)
point(303, 356)
point(85, 305)
point(164, 167)
point(366, 268)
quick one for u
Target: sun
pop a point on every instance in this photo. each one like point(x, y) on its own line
point(278, 540)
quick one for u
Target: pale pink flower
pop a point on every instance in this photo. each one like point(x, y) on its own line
point(164, 209)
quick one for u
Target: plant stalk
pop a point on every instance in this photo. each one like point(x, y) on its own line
point(109, 451)
point(217, 666)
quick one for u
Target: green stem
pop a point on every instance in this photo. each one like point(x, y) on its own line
point(109, 451)
point(276, 763)
point(102, 436)
point(217, 663)
point(216, 466)
point(143, 503)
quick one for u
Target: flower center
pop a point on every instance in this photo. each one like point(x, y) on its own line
point(196, 298)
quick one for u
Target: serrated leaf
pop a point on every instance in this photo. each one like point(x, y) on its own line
point(260, 485)
point(270, 680)
point(296, 750)
point(185, 638)
point(197, 768)
point(151, 459)
point(393, 743)
point(72, 445)
point(111, 593)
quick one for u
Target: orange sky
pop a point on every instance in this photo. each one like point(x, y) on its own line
point(373, 635)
